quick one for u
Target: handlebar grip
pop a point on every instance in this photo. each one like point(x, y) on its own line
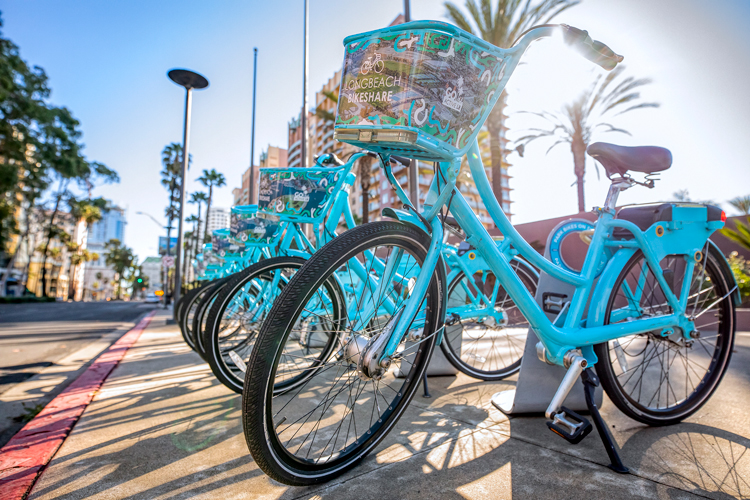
point(593, 50)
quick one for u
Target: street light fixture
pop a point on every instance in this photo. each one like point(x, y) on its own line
point(190, 80)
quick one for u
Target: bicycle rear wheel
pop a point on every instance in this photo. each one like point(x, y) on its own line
point(303, 430)
point(487, 348)
point(662, 380)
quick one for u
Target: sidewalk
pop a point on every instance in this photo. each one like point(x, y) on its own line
point(162, 427)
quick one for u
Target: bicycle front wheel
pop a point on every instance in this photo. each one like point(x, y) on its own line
point(238, 311)
point(334, 413)
point(661, 380)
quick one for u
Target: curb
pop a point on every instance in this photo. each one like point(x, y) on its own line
point(31, 449)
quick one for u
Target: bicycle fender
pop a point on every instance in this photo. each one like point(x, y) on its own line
point(406, 217)
point(600, 298)
point(726, 271)
point(409, 218)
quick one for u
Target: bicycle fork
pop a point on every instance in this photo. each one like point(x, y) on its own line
point(570, 425)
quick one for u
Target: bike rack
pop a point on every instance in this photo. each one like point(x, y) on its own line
point(538, 381)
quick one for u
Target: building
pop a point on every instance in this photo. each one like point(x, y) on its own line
point(218, 218)
point(272, 157)
point(151, 268)
point(99, 278)
point(63, 279)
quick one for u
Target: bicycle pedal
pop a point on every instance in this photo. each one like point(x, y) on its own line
point(569, 425)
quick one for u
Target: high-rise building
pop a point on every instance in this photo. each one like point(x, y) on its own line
point(99, 278)
point(272, 157)
point(218, 218)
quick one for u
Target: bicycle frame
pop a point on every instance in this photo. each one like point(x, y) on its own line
point(570, 330)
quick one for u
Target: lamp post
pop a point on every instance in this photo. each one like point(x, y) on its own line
point(413, 173)
point(190, 80)
point(251, 194)
point(303, 120)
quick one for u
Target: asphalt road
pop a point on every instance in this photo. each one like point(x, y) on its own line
point(37, 336)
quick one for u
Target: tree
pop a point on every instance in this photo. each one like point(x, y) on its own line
point(171, 174)
point(122, 260)
point(88, 211)
point(609, 96)
point(740, 233)
point(39, 144)
point(210, 178)
point(501, 28)
point(741, 204)
point(137, 281)
point(198, 198)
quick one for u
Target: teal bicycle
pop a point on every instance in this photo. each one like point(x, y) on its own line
point(653, 307)
point(484, 341)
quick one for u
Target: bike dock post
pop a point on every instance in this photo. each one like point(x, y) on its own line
point(538, 381)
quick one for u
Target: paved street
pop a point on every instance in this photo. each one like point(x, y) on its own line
point(43, 346)
point(162, 427)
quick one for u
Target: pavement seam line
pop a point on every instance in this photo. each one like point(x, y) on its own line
point(496, 428)
point(24, 457)
point(561, 452)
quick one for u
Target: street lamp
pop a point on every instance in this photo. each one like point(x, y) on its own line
point(190, 80)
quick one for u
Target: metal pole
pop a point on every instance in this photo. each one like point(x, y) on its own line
point(413, 174)
point(252, 134)
point(303, 121)
point(183, 178)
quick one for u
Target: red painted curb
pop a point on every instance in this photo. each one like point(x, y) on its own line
point(26, 454)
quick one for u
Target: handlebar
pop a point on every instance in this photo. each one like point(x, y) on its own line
point(593, 50)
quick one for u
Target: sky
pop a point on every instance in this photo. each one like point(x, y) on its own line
point(107, 62)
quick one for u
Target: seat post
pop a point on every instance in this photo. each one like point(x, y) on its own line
point(618, 185)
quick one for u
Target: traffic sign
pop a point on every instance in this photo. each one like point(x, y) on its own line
point(167, 261)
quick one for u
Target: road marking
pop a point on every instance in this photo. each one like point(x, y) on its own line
point(31, 449)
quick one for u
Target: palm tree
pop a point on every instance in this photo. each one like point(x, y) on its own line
point(121, 258)
point(580, 119)
point(501, 28)
point(742, 204)
point(89, 211)
point(741, 233)
point(197, 198)
point(171, 159)
point(210, 178)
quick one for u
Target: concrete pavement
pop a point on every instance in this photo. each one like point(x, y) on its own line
point(163, 427)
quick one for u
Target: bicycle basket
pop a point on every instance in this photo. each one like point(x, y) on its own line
point(209, 257)
point(420, 89)
point(298, 194)
point(223, 246)
point(247, 229)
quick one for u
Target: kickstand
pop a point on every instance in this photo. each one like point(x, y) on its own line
point(424, 386)
point(590, 382)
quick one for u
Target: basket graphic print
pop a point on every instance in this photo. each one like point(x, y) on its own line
point(297, 194)
point(437, 84)
point(223, 246)
point(247, 229)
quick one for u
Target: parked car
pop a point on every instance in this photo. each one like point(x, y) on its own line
point(151, 298)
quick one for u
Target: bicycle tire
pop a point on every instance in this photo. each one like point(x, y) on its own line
point(482, 369)
point(259, 426)
point(198, 323)
point(222, 365)
point(612, 354)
